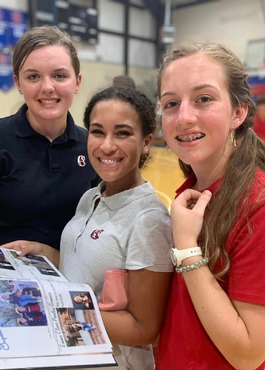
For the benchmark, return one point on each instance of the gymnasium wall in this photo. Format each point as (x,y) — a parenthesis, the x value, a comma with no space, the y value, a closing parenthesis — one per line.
(101,62)
(232,22)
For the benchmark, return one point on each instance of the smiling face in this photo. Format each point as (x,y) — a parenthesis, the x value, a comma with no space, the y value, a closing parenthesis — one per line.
(48,83)
(78,299)
(198,117)
(115,143)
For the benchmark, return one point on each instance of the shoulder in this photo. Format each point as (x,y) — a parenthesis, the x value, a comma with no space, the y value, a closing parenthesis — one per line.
(75,131)
(154,215)
(152,201)
(12,123)
(255,202)
(8,132)
(258,186)
(81,130)
(86,200)
(5,121)
(152,211)
(140,199)
(81,134)
(143,198)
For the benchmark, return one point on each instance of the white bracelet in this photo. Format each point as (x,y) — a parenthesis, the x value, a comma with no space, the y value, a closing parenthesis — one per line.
(202,262)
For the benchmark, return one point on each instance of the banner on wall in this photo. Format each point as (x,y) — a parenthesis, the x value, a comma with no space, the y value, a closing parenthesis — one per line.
(18,25)
(13,24)
(4,29)
(6,71)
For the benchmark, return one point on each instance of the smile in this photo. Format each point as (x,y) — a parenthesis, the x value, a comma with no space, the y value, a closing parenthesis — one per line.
(109,161)
(189,138)
(49,101)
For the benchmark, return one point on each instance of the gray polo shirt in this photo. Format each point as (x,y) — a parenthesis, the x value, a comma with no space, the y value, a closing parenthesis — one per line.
(129,230)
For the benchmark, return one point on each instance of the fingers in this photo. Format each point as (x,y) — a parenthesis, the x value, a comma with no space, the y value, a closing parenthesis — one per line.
(203,200)
(34,248)
(24,247)
(17,245)
(192,199)
(31,248)
(187,214)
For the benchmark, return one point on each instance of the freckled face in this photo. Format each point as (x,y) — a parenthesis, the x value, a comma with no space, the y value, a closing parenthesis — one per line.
(115,142)
(48,83)
(197,113)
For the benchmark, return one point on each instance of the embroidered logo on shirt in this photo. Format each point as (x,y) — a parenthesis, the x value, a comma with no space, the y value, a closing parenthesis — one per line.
(81,160)
(95,233)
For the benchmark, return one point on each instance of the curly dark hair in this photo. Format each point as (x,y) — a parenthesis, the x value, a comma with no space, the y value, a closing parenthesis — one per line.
(137,100)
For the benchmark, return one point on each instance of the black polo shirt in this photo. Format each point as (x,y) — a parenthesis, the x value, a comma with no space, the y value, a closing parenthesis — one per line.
(40,182)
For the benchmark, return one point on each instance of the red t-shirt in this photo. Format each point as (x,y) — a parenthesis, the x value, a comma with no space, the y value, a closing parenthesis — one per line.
(184,344)
(259,127)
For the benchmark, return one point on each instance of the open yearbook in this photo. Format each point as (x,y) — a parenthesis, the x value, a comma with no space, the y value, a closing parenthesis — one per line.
(47,321)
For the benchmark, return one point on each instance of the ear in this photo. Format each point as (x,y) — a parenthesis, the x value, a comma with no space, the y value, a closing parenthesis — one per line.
(78,83)
(147,142)
(16,80)
(239,115)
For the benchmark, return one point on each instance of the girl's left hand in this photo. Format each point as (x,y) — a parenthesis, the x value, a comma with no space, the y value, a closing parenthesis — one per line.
(187,213)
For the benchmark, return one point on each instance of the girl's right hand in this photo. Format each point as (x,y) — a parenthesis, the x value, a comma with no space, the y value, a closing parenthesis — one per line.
(187,213)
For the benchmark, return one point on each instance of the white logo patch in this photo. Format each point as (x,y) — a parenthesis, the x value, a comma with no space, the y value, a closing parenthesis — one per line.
(81,160)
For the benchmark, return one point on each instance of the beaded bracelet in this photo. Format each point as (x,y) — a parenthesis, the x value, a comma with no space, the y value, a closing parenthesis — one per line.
(193,266)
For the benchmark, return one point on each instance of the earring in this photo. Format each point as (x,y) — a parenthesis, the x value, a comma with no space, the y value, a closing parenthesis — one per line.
(145,150)
(233,140)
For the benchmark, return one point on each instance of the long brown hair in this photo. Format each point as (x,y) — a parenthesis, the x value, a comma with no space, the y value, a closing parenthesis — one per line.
(240,170)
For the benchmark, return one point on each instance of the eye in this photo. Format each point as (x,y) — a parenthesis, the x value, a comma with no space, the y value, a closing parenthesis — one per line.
(60,76)
(96,132)
(170,104)
(205,99)
(33,77)
(123,133)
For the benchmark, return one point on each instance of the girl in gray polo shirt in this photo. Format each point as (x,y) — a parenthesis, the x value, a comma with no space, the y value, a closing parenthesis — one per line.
(122,224)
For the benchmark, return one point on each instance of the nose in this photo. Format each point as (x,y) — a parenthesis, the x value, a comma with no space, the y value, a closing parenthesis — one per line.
(186,114)
(108,145)
(47,84)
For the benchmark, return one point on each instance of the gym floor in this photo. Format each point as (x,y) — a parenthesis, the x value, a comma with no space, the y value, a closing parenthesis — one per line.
(164,173)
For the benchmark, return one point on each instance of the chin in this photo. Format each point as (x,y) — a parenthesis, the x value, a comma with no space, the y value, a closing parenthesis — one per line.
(108,179)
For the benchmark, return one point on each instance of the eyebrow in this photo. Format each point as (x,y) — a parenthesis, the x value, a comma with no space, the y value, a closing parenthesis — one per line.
(118,126)
(202,86)
(196,88)
(36,70)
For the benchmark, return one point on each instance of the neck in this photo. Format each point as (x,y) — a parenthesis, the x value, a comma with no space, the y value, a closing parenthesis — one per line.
(113,188)
(51,129)
(213,169)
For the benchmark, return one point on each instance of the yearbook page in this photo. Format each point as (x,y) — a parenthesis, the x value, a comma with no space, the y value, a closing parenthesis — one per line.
(46,321)
(30,266)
